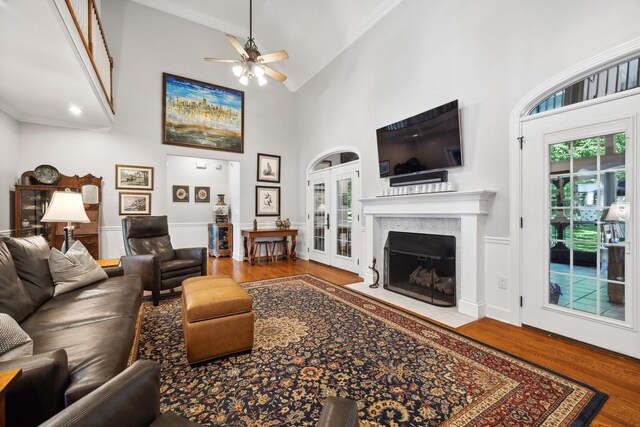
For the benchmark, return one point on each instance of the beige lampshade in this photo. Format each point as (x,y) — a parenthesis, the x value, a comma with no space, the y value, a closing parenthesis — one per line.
(617,212)
(66,206)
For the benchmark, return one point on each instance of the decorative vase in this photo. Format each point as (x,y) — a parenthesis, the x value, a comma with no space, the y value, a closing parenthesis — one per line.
(279,223)
(286,224)
(221,210)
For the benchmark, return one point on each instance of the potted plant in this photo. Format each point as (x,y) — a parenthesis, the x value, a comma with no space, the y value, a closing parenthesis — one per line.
(554,293)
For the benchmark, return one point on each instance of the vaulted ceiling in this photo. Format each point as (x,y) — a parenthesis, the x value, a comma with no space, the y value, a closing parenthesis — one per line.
(313,32)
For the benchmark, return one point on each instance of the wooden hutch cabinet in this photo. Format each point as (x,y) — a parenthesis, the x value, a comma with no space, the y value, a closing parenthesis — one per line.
(32,200)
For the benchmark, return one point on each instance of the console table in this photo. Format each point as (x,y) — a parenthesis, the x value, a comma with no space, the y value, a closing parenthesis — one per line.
(251,236)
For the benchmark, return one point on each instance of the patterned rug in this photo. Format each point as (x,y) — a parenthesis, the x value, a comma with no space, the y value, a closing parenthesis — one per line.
(314,339)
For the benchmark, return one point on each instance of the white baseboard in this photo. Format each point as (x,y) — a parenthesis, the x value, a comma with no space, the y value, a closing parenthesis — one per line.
(499,313)
(473,309)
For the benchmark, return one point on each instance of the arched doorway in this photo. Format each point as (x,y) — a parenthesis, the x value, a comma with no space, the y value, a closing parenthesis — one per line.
(333,210)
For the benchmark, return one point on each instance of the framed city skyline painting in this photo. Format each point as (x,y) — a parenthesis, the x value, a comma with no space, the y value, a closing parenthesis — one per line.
(202,115)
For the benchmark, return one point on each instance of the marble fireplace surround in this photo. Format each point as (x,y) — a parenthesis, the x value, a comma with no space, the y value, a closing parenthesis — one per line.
(458,213)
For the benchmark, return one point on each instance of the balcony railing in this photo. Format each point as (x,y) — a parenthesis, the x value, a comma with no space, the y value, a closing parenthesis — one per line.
(87,20)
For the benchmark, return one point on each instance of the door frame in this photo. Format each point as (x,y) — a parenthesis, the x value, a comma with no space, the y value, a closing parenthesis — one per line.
(518,117)
(317,158)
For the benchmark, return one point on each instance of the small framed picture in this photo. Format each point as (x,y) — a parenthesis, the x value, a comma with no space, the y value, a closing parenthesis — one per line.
(180,193)
(202,194)
(268,168)
(135,203)
(267,201)
(134,177)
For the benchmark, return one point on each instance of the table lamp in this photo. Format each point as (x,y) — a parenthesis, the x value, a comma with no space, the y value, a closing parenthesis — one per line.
(617,213)
(66,206)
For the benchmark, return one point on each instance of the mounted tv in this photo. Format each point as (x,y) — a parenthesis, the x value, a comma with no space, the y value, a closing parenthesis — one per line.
(427,141)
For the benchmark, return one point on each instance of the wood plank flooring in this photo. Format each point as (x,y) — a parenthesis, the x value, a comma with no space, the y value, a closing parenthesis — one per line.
(615,375)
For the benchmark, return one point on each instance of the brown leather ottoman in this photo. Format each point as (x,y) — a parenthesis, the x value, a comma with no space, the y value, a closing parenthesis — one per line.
(217,318)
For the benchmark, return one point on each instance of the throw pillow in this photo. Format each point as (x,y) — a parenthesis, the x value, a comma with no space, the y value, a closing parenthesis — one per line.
(75,269)
(15,342)
(30,256)
(14,299)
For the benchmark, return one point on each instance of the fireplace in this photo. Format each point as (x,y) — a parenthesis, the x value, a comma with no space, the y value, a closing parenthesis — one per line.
(421,266)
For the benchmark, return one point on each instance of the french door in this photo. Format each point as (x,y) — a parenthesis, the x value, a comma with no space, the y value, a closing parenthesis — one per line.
(333,216)
(579,181)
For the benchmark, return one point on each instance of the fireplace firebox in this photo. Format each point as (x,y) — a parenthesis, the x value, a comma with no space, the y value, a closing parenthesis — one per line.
(421,266)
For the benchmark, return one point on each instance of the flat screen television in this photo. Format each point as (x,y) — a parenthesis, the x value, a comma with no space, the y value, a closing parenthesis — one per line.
(424,142)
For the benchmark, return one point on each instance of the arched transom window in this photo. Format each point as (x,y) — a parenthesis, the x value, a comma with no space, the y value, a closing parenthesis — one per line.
(611,79)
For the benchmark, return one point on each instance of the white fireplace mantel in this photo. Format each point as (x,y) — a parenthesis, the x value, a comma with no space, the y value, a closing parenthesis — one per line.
(471,207)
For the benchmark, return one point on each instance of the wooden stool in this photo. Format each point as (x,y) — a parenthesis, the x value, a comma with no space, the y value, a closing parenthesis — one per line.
(283,246)
(258,251)
(217,318)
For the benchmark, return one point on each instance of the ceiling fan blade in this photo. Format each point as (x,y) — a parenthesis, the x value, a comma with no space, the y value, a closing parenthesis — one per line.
(273,56)
(274,74)
(237,45)
(230,61)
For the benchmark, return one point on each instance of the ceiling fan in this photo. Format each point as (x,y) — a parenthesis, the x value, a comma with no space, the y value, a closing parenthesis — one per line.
(252,61)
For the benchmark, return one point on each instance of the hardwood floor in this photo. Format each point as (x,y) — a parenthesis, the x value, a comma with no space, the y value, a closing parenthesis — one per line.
(615,375)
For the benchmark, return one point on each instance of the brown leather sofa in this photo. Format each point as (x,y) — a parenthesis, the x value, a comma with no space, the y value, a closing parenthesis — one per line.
(81,339)
(158,264)
(132,399)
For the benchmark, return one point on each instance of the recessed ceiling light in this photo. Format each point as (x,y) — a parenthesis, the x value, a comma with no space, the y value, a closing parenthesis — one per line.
(75,110)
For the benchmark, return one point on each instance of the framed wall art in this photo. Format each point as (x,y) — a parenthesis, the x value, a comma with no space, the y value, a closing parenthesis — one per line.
(268,168)
(135,203)
(134,177)
(180,193)
(202,115)
(202,194)
(267,201)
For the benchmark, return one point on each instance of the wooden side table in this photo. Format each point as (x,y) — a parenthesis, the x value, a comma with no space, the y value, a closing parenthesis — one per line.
(7,379)
(110,262)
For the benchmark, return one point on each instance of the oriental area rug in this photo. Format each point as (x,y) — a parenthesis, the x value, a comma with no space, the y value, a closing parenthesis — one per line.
(314,339)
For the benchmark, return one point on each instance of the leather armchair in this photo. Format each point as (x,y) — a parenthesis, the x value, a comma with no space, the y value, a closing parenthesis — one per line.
(151,256)
(131,398)
(339,412)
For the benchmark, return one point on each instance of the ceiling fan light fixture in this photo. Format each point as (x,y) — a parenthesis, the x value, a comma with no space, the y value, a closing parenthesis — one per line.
(237,70)
(250,64)
(258,71)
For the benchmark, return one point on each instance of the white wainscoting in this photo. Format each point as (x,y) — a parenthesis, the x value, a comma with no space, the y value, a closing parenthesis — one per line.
(183,235)
(497,265)
(187,235)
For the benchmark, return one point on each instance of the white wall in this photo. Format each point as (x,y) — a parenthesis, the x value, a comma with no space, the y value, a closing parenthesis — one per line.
(182,171)
(425,52)
(9,143)
(488,54)
(145,43)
